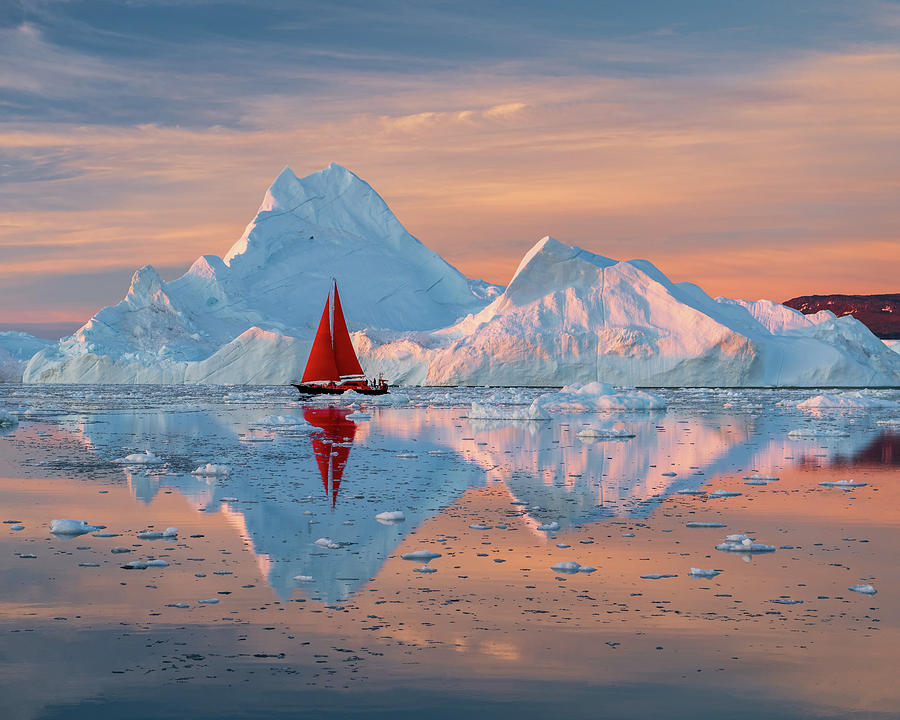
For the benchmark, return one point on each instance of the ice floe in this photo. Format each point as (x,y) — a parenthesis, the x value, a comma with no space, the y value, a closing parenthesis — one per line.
(481,411)
(212,470)
(816,432)
(743,544)
(724,494)
(420,555)
(281,420)
(703,572)
(144,458)
(853,399)
(657,576)
(67,526)
(549,527)
(171,532)
(846,484)
(609,430)
(865,589)
(304,579)
(704,524)
(596,397)
(389,517)
(328,543)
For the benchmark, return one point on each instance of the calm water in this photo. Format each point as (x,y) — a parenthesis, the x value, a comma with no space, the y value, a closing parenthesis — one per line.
(493,630)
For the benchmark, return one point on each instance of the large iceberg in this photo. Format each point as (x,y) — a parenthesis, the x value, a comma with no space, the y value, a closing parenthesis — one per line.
(250,317)
(568,316)
(16,349)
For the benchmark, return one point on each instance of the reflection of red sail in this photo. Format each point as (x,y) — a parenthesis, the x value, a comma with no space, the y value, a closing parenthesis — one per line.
(331,444)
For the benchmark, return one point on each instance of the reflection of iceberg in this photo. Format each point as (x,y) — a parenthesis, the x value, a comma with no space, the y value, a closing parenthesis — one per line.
(274,498)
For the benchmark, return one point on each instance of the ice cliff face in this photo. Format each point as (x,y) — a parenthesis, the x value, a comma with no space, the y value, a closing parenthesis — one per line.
(571,316)
(16,348)
(567,316)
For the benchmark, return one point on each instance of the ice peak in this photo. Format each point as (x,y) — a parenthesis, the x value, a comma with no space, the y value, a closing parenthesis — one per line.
(145,282)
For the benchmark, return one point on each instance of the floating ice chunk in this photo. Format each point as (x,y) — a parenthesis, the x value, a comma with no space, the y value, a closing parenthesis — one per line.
(690,492)
(595,397)
(389,517)
(786,601)
(479,526)
(765,478)
(209,601)
(864,589)
(811,432)
(744,544)
(425,569)
(88,564)
(105,535)
(657,576)
(157,563)
(610,430)
(549,527)
(670,474)
(359,416)
(480,411)
(136,565)
(328,543)
(853,399)
(8,420)
(27,556)
(120,550)
(406,455)
(724,494)
(703,572)
(392,398)
(703,524)
(281,420)
(144,458)
(211,470)
(587,569)
(842,484)
(420,555)
(71,527)
(304,579)
(566,567)
(17,528)
(222,572)
(171,532)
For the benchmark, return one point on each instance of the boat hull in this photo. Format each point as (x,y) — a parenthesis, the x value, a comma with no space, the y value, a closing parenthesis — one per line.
(340,388)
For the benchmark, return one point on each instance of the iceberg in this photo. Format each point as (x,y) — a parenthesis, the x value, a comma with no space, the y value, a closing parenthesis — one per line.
(568,316)
(16,349)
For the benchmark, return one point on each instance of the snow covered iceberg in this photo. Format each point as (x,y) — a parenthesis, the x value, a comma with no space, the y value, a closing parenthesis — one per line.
(250,317)
(570,316)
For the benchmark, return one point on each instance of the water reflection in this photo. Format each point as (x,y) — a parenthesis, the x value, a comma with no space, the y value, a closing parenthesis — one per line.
(331,444)
(420,459)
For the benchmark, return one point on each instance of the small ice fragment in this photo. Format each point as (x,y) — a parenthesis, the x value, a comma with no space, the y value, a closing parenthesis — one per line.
(120,550)
(567,567)
(71,527)
(328,543)
(670,474)
(744,544)
(587,569)
(179,605)
(657,576)
(843,484)
(723,494)
(756,481)
(212,470)
(864,589)
(786,601)
(222,572)
(157,534)
(136,565)
(690,492)
(157,563)
(27,556)
(406,456)
(425,569)
(420,555)
(17,527)
(549,527)
(88,564)
(563,546)
(209,601)
(304,578)
(105,535)
(703,572)
(702,524)
(627,535)
(390,516)
(144,458)
(766,478)
(479,526)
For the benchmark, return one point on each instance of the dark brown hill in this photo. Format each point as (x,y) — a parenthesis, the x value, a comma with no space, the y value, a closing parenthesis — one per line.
(880,313)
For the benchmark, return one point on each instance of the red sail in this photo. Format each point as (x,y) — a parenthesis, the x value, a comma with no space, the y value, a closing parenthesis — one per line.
(321,367)
(344,354)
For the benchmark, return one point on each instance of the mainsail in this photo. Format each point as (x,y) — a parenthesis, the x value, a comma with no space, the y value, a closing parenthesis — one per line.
(332,357)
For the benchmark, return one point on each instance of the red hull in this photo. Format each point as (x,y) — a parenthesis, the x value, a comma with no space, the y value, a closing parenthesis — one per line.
(338,388)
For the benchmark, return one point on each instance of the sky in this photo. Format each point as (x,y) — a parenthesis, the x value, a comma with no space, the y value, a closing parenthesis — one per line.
(752,148)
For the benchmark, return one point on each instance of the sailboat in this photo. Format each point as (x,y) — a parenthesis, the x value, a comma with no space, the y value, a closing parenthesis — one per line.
(333,367)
